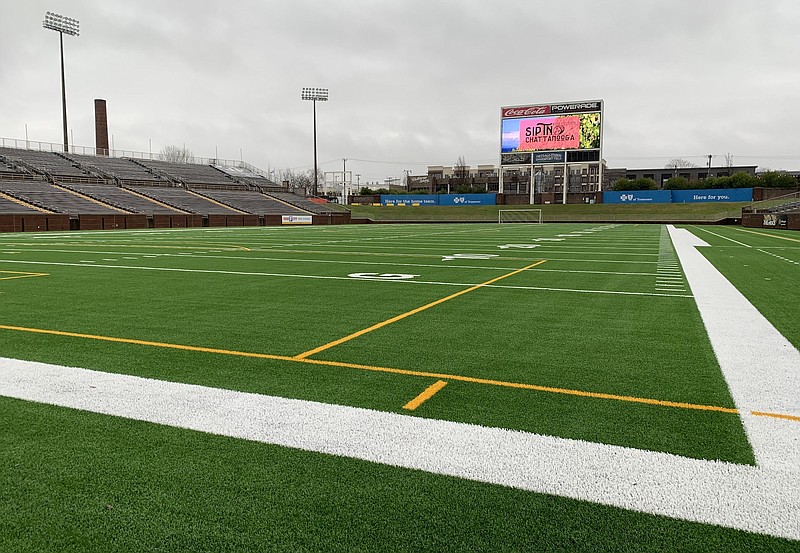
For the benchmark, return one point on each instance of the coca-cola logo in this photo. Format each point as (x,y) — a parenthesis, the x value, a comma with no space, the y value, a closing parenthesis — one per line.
(526,111)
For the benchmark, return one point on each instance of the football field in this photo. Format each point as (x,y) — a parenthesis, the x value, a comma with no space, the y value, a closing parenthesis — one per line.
(401,387)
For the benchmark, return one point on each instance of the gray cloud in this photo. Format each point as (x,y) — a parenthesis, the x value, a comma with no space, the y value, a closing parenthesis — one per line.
(412,82)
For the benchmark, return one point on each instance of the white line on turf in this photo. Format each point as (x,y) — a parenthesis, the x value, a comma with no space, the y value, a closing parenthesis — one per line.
(357,262)
(761,367)
(755,499)
(723,237)
(327,277)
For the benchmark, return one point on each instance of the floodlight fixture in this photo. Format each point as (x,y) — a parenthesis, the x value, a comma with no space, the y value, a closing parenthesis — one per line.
(314,94)
(63,25)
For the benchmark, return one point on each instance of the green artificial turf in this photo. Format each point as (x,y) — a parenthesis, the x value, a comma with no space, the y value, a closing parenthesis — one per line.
(551,335)
(77,481)
(590,318)
(767,272)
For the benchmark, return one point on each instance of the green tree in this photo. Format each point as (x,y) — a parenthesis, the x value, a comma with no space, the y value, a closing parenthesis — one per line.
(743,180)
(777,179)
(676,183)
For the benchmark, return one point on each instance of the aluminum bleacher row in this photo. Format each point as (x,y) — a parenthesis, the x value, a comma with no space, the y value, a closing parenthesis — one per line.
(41,182)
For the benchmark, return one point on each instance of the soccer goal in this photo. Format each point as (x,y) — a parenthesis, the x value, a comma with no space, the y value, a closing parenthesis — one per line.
(519,216)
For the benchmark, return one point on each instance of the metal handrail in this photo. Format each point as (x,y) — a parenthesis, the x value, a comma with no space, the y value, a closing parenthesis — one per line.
(22,144)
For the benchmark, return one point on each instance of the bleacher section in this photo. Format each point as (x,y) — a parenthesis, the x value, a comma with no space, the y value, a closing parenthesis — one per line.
(182,199)
(120,197)
(306,204)
(122,168)
(9,206)
(49,162)
(252,202)
(85,192)
(52,198)
(192,173)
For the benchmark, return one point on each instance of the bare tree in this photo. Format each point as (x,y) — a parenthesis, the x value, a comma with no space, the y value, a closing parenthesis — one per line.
(728,160)
(299,179)
(678,163)
(461,169)
(176,154)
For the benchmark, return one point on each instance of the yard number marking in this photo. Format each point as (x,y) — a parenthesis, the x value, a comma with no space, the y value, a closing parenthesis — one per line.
(381,276)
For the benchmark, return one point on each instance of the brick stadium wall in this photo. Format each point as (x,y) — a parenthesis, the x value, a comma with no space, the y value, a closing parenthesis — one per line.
(177,221)
(332,219)
(757,220)
(110,222)
(33,222)
(760,194)
(234,220)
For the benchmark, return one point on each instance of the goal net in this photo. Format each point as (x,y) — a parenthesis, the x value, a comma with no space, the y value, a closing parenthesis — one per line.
(519,216)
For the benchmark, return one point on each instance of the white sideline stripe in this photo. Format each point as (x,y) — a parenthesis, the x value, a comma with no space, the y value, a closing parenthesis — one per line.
(754,499)
(723,237)
(761,367)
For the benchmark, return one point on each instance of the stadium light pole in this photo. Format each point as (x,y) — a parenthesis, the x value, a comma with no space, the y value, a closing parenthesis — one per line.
(315,95)
(62,24)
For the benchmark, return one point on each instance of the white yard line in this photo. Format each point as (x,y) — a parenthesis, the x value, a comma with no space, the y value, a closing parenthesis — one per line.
(761,367)
(755,499)
(342,262)
(326,277)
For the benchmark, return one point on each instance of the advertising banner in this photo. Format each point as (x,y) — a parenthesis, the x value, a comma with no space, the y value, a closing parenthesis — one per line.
(438,199)
(296,220)
(467,199)
(637,197)
(410,199)
(713,195)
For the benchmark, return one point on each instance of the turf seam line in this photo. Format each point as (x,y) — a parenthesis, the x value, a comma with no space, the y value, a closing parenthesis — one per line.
(402,316)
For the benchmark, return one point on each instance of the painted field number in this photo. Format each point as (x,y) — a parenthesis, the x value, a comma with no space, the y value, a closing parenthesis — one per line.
(468,256)
(518,246)
(382,276)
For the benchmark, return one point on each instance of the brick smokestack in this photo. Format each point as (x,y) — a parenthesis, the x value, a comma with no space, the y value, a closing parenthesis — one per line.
(100,127)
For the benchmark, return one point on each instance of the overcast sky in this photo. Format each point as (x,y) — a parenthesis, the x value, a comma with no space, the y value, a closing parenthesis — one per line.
(412,82)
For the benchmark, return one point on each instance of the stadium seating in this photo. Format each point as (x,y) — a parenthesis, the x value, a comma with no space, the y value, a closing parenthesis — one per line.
(124,169)
(120,197)
(182,199)
(52,198)
(46,162)
(306,204)
(192,173)
(86,186)
(252,202)
(9,206)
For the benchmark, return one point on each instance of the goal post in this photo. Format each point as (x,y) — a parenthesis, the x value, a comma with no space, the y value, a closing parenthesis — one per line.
(519,216)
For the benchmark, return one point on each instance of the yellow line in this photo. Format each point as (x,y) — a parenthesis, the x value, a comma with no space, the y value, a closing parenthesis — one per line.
(438,376)
(147,343)
(429,392)
(20,274)
(769,235)
(402,316)
(775,416)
